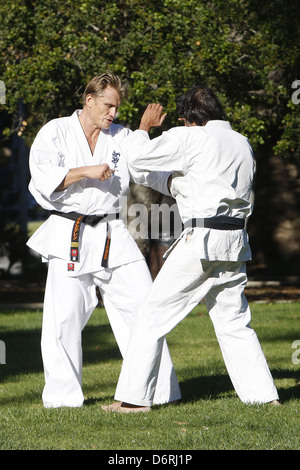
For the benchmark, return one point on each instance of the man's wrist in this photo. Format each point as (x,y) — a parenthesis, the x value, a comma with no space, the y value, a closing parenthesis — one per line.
(144,127)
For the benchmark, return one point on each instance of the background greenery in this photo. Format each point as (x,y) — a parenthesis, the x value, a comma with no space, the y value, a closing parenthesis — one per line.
(209,417)
(247,50)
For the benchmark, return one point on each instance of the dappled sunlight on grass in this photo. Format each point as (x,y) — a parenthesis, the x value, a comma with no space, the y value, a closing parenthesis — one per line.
(210,416)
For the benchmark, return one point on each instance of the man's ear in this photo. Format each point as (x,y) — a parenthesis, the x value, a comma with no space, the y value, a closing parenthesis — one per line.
(88,100)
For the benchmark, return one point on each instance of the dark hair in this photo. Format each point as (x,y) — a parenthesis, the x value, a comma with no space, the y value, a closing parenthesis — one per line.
(199,105)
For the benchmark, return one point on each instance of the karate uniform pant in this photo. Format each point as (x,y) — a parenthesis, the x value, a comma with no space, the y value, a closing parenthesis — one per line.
(180,285)
(68,304)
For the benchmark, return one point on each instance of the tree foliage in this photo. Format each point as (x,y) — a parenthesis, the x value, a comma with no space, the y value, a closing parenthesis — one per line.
(247,50)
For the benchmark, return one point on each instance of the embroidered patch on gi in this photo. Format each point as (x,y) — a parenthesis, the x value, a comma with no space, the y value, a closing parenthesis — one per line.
(115,159)
(70,266)
(74,254)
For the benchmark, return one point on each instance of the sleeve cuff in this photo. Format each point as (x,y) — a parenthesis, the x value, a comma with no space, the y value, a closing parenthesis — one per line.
(51,182)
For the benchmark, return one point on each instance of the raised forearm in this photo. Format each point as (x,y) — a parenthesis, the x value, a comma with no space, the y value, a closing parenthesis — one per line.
(101,172)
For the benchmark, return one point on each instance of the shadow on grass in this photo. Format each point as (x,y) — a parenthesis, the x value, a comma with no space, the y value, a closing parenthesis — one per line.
(291,393)
(23,351)
(23,356)
(204,387)
(212,387)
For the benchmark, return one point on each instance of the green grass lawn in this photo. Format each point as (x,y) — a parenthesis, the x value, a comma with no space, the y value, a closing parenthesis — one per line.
(210,416)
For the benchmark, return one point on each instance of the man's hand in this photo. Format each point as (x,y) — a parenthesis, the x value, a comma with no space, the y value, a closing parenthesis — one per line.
(100,172)
(152,117)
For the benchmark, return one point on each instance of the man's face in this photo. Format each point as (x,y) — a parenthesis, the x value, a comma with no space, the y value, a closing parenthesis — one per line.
(103,109)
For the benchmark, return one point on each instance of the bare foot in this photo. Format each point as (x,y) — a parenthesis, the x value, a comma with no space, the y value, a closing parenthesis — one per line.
(112,407)
(275,403)
(129,408)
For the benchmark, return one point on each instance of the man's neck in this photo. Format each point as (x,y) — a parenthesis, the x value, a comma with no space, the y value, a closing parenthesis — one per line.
(90,130)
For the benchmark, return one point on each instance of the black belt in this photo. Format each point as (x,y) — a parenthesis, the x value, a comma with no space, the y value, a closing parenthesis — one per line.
(91,220)
(221,222)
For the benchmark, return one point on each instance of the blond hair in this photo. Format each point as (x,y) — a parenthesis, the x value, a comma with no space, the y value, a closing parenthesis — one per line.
(97,85)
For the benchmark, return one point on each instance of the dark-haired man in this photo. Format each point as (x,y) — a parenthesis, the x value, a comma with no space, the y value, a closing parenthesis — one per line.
(213,169)
(84,241)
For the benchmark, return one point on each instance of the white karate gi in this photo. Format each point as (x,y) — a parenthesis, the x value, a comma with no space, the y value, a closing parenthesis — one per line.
(70,295)
(213,171)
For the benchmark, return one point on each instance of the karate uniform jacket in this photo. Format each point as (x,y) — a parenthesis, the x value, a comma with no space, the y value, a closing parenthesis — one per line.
(59,146)
(213,168)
